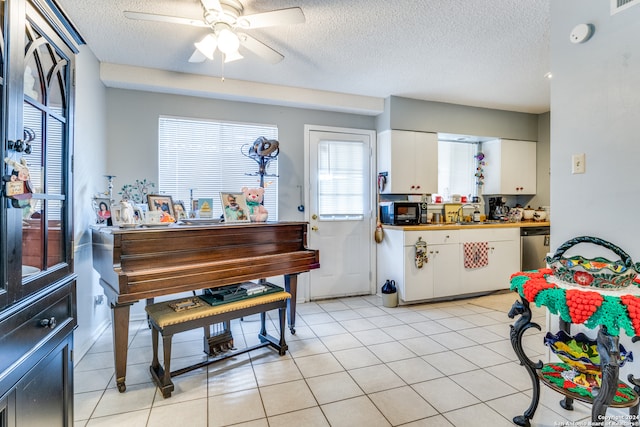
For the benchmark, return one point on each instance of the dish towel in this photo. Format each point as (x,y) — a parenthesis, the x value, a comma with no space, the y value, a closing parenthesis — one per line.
(476,254)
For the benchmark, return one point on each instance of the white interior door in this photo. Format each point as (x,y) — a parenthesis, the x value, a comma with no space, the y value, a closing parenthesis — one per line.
(339,201)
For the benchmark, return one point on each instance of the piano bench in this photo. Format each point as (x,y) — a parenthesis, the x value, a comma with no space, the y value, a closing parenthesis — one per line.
(166,321)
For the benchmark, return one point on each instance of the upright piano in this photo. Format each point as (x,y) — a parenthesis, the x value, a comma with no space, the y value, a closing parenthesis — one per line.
(143,263)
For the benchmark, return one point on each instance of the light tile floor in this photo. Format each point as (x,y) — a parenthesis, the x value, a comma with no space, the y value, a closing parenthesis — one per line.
(352,362)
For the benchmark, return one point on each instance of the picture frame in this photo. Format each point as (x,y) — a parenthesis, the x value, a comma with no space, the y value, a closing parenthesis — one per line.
(180,210)
(161,202)
(116,218)
(205,207)
(234,207)
(103,210)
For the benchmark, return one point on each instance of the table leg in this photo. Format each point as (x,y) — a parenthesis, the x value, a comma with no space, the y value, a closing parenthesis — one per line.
(120,324)
(521,308)
(291,286)
(609,352)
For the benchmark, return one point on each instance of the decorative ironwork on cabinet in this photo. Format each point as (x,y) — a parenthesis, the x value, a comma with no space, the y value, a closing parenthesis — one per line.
(37,280)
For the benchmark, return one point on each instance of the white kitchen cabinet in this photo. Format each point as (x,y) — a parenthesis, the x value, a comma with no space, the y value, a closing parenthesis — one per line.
(445,260)
(396,261)
(416,283)
(444,274)
(410,160)
(503,254)
(510,167)
(437,277)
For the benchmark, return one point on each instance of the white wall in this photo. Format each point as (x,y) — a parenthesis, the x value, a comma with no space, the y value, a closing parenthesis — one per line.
(132,135)
(595,109)
(89,168)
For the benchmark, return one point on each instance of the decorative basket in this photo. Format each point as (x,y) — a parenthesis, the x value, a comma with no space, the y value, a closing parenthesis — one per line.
(597,272)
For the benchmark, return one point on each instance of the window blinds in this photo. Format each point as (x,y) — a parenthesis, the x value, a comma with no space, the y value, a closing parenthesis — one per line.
(207,156)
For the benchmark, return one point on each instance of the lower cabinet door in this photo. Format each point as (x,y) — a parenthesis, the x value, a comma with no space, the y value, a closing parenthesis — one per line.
(446,264)
(418,282)
(44,397)
(7,410)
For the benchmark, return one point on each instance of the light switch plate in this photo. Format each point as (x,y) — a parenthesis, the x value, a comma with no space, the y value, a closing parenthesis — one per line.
(577,163)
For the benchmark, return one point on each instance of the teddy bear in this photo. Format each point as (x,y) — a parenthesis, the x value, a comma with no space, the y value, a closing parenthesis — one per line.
(253,196)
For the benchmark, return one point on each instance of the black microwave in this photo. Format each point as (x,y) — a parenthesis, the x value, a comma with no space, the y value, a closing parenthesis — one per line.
(400,213)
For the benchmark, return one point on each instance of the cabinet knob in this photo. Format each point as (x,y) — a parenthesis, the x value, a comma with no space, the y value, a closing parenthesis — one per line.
(49,323)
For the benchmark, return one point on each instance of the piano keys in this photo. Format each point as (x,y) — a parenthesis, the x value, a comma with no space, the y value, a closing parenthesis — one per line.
(144,263)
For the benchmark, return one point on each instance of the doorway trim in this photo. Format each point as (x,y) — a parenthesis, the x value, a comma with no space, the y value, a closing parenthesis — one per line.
(372,134)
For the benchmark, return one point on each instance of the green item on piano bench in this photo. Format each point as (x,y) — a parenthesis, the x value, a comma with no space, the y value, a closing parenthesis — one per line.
(230,293)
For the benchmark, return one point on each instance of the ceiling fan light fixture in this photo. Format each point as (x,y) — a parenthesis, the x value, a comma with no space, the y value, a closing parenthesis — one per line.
(233,56)
(228,42)
(207,46)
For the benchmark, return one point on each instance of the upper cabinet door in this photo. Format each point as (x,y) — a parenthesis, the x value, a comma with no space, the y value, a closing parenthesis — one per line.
(410,161)
(510,167)
(38,107)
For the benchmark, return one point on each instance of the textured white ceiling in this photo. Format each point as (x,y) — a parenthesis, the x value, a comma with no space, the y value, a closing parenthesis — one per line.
(488,53)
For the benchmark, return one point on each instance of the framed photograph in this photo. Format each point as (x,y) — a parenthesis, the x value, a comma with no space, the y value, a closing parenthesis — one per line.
(234,207)
(161,203)
(102,207)
(181,212)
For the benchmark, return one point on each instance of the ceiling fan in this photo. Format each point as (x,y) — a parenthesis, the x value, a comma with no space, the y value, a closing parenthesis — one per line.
(227,23)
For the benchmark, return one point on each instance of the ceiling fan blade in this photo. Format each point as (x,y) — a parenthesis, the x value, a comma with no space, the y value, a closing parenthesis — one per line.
(289,16)
(197,56)
(211,5)
(260,49)
(141,16)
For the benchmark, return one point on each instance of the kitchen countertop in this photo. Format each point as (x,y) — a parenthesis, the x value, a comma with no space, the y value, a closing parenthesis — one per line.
(454,226)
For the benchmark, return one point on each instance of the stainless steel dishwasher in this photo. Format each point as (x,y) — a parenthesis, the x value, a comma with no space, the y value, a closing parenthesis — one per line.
(534,246)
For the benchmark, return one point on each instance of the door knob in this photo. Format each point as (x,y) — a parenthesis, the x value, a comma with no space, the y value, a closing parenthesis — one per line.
(314,228)
(314,216)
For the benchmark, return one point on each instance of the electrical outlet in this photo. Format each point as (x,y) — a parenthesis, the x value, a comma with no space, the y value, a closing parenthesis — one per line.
(577,163)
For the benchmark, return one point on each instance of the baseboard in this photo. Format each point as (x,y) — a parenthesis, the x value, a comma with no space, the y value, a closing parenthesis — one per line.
(78,353)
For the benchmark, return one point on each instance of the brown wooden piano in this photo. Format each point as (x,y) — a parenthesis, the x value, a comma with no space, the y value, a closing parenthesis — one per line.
(142,263)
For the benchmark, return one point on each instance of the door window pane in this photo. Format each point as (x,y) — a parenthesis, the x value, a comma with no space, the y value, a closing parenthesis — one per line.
(341,169)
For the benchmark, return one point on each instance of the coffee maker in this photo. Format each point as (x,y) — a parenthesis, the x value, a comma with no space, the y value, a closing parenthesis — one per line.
(497,208)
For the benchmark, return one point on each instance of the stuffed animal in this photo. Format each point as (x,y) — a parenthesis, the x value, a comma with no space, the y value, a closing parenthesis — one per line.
(253,196)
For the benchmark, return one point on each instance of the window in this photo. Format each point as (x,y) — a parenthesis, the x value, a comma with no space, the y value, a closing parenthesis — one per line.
(456,168)
(209,157)
(341,174)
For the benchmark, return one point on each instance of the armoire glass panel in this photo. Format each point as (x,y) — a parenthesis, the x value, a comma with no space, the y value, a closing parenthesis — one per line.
(32,80)
(55,141)
(55,232)
(56,100)
(33,124)
(32,246)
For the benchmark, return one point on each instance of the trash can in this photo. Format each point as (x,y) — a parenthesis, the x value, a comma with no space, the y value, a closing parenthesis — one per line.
(389,294)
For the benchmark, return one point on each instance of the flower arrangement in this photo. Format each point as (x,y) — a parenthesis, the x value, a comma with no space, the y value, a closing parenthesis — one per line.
(138,191)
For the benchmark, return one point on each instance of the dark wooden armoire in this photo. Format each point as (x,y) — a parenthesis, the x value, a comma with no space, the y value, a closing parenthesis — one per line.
(37,280)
